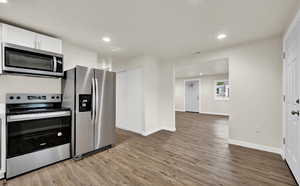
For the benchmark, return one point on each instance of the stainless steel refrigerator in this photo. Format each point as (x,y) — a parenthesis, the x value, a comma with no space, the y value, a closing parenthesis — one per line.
(91,94)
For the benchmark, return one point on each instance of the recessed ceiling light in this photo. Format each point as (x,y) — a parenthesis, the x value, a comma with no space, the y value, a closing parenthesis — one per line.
(221,36)
(3,1)
(201,74)
(106,39)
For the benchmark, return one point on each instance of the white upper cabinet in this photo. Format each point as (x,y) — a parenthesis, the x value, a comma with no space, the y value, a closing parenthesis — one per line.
(18,36)
(49,44)
(22,37)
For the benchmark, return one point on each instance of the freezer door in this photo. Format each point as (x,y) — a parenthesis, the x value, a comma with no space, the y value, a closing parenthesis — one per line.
(84,126)
(105,108)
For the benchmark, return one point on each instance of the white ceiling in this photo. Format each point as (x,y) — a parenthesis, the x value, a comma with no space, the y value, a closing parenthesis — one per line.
(165,28)
(220,66)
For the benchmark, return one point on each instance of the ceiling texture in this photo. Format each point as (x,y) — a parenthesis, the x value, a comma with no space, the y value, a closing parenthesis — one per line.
(164,28)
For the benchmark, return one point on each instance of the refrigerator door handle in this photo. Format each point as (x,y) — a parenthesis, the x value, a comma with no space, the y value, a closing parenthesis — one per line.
(98,119)
(93,100)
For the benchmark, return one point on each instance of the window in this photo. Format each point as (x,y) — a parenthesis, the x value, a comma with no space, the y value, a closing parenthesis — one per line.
(222,90)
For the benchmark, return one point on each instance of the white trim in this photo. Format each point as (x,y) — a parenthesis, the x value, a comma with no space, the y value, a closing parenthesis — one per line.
(255,146)
(2,172)
(215,113)
(127,129)
(169,129)
(179,110)
(149,132)
(145,133)
(284,116)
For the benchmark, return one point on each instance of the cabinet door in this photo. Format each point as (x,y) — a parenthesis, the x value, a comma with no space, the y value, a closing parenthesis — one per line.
(49,44)
(18,36)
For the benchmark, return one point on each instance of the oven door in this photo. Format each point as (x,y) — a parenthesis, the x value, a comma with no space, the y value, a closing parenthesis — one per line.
(28,133)
(19,59)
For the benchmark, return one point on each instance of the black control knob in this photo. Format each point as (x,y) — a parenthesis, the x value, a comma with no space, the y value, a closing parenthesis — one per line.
(18,97)
(52,97)
(57,97)
(11,97)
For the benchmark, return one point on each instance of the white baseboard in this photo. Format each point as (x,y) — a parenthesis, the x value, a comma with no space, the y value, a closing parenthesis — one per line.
(157,130)
(127,129)
(2,172)
(283,152)
(255,146)
(149,132)
(170,129)
(214,113)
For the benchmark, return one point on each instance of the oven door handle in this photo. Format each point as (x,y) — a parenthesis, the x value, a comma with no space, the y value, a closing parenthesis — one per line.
(36,116)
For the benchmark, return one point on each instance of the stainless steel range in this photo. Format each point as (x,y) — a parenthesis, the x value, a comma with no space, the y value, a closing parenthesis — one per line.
(38,132)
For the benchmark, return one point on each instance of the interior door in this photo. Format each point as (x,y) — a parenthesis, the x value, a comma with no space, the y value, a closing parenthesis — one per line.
(192,96)
(105,108)
(292,148)
(84,130)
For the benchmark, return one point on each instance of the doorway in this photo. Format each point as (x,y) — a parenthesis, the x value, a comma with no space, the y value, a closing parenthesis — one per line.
(192,91)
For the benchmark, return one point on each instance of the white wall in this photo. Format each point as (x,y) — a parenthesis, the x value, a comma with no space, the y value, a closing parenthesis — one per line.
(179,95)
(166,96)
(207,102)
(158,92)
(75,55)
(151,95)
(23,84)
(129,100)
(255,103)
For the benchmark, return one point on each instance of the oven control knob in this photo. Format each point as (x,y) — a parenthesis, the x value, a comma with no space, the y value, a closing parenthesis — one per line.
(57,97)
(11,97)
(59,134)
(18,97)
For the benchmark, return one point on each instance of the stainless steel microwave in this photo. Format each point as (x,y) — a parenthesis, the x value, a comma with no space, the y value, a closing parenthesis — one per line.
(25,60)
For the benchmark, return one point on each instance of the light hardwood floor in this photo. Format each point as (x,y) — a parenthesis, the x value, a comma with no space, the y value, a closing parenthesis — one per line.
(196,154)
